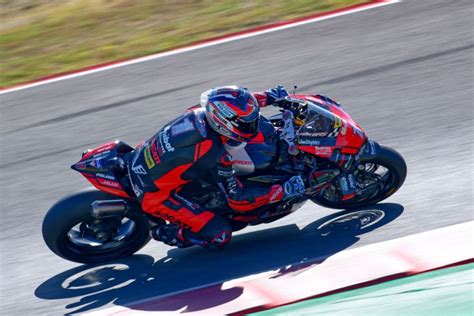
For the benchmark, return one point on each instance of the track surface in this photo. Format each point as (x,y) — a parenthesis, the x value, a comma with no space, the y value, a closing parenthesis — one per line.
(405,72)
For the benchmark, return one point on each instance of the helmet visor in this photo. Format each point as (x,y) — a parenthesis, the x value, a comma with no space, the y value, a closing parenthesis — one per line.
(248,125)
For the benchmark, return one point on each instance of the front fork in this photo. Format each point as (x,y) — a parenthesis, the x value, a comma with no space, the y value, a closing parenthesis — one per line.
(347,180)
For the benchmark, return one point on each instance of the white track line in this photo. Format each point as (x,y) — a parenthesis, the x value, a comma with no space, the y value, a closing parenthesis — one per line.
(405,255)
(198,46)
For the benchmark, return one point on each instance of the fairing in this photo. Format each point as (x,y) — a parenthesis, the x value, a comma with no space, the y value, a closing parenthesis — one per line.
(96,167)
(328,130)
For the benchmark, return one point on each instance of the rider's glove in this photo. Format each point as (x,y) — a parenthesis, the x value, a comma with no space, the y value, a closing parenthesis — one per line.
(294,187)
(276,94)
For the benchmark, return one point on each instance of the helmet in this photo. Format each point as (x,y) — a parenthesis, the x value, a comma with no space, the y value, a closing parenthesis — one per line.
(232,112)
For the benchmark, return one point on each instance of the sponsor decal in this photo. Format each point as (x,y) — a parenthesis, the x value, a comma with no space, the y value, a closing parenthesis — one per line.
(154,152)
(139,169)
(109,183)
(226,173)
(188,203)
(334,132)
(312,134)
(243,162)
(164,140)
(278,190)
(224,109)
(136,190)
(323,151)
(343,183)
(182,127)
(150,163)
(232,185)
(352,184)
(309,142)
(105,176)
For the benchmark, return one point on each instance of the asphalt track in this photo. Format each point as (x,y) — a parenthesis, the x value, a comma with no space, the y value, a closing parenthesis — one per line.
(404,71)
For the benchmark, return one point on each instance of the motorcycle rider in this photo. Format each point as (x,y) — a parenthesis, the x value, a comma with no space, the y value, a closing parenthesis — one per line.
(165,169)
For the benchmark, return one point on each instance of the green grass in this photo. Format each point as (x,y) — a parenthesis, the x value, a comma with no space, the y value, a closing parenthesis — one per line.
(41,37)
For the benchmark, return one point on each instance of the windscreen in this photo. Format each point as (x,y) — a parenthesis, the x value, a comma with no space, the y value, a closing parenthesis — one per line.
(319,123)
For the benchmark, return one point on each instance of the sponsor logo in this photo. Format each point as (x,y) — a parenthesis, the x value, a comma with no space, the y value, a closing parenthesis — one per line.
(136,190)
(275,196)
(164,140)
(243,162)
(224,109)
(313,134)
(109,183)
(343,183)
(188,203)
(105,176)
(182,127)
(323,151)
(352,184)
(148,159)
(232,185)
(226,173)
(337,122)
(139,169)
(154,153)
(309,142)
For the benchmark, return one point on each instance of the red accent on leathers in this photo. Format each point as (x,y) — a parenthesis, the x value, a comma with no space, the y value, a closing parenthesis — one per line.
(153,202)
(261,98)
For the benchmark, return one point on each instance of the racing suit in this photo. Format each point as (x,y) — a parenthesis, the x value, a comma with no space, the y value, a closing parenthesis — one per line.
(165,169)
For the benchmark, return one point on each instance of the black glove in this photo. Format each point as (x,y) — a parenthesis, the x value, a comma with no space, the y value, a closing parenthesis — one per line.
(276,94)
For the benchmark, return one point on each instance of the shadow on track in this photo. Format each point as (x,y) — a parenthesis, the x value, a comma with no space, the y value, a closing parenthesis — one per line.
(286,249)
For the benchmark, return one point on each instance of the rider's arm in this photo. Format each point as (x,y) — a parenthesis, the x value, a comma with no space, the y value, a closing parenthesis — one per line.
(239,197)
(268,97)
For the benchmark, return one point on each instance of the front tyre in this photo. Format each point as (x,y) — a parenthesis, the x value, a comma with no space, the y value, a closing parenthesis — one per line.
(378,178)
(71,232)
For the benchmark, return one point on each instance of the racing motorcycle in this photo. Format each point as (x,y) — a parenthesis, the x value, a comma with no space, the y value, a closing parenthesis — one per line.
(315,138)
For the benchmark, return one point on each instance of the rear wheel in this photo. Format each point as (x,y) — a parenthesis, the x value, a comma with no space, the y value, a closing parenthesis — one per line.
(377,178)
(71,232)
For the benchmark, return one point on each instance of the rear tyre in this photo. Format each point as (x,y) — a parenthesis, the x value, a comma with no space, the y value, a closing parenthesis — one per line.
(71,232)
(377,186)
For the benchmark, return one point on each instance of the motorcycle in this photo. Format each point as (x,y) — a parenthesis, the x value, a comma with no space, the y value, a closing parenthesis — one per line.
(315,138)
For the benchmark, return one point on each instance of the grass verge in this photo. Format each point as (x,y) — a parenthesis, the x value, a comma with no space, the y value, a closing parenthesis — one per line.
(42,37)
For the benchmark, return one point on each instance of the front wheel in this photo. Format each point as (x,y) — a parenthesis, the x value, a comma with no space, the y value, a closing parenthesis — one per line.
(71,232)
(378,178)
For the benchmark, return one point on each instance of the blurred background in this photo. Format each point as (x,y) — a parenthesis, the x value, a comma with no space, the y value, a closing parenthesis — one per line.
(41,37)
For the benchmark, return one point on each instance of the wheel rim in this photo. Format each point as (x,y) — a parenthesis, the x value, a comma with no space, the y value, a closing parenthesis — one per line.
(100,235)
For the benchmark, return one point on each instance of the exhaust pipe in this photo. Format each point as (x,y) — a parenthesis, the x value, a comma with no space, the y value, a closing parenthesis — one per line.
(109,208)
